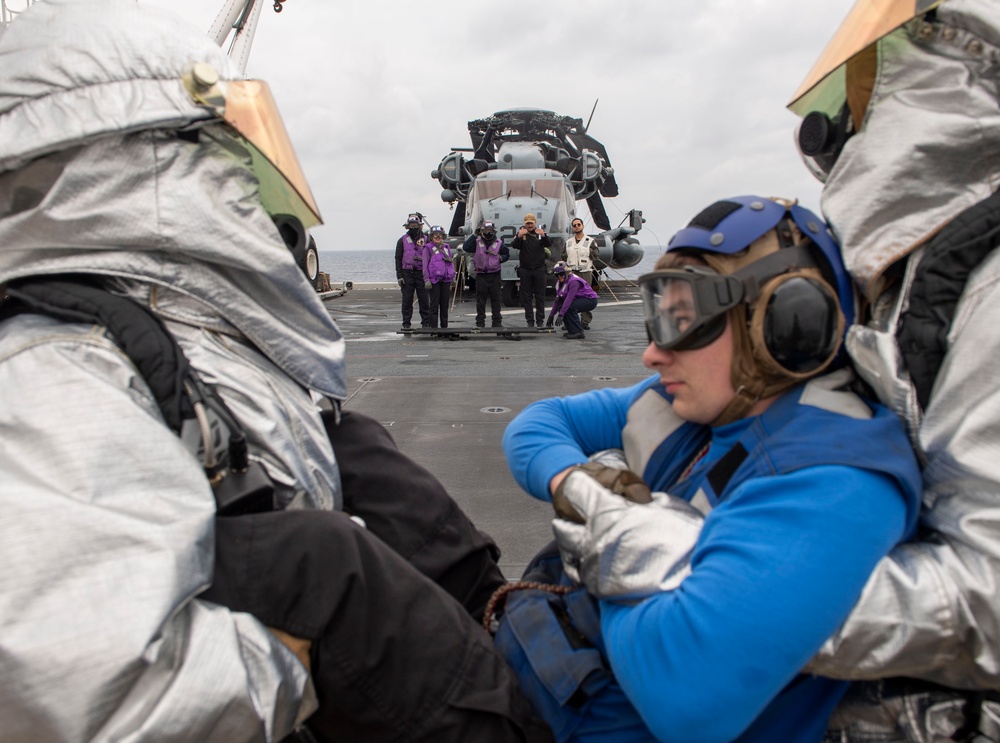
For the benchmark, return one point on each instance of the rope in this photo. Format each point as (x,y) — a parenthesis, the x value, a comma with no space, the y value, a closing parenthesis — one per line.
(621,276)
(499,597)
(693,462)
(607,286)
(459,280)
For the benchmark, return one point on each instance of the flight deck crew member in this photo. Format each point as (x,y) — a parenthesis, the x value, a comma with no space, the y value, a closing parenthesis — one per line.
(131,607)
(532,245)
(778,489)
(574,296)
(439,271)
(578,253)
(902,124)
(409,271)
(488,252)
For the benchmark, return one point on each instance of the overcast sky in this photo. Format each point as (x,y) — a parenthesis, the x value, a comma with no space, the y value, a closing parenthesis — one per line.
(692,96)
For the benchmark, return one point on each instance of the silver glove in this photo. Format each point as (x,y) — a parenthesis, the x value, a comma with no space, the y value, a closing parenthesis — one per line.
(614,458)
(625,550)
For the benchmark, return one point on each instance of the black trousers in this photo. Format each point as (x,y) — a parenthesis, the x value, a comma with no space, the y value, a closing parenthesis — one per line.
(488,287)
(577,308)
(413,282)
(438,297)
(533,289)
(391,610)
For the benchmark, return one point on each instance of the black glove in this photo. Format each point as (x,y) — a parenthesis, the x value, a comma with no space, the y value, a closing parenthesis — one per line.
(559,321)
(548,323)
(401,281)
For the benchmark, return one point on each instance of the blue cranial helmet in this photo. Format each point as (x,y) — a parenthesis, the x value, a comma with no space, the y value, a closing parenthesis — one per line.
(732,225)
(771,271)
(788,286)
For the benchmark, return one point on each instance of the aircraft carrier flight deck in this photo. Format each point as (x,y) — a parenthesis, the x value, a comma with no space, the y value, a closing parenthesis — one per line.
(447,402)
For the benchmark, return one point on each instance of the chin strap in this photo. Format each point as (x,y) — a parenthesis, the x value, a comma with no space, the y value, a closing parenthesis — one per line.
(752,378)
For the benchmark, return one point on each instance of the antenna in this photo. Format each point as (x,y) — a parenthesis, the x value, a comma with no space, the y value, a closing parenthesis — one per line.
(591,116)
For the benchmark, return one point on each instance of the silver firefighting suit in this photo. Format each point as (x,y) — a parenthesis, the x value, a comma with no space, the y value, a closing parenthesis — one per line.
(101,636)
(135,160)
(928,149)
(923,149)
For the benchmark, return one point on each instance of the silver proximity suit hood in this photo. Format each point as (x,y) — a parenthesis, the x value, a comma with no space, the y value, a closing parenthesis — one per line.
(929,146)
(84,211)
(108,531)
(928,149)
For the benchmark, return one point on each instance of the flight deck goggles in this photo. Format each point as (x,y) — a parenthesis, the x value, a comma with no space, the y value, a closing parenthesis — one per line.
(685,308)
(248,108)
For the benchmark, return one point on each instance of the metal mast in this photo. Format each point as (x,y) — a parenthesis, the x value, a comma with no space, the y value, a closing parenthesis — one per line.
(239,17)
(7,15)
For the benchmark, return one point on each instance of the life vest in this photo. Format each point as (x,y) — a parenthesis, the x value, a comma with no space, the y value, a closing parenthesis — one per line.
(553,641)
(487,257)
(583,289)
(578,253)
(413,259)
(438,263)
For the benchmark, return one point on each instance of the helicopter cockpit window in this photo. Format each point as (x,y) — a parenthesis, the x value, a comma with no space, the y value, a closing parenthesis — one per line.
(474,213)
(560,220)
(519,188)
(550,189)
(489,189)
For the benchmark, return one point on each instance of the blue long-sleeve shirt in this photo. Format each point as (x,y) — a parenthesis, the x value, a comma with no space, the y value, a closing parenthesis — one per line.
(777,568)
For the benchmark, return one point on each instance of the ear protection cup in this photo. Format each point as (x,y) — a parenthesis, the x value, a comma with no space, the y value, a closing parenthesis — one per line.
(797,325)
(294,235)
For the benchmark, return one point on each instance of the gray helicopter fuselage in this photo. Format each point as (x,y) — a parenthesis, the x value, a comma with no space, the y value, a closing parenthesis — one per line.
(531,161)
(505,196)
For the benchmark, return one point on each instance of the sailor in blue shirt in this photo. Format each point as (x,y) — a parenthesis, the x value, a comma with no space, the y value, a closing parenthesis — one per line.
(777,489)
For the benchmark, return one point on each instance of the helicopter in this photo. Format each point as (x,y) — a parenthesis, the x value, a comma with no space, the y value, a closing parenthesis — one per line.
(529,160)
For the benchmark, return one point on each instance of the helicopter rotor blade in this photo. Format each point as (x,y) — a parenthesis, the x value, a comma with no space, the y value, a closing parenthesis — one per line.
(482,144)
(582,142)
(598,212)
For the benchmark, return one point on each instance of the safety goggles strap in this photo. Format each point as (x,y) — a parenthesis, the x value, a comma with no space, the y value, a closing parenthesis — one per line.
(754,275)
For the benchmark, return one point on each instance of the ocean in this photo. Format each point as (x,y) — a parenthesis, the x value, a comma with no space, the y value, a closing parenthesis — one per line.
(365,266)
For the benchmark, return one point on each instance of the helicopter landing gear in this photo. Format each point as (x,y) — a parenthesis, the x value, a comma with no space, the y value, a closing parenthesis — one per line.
(509,293)
(311,263)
